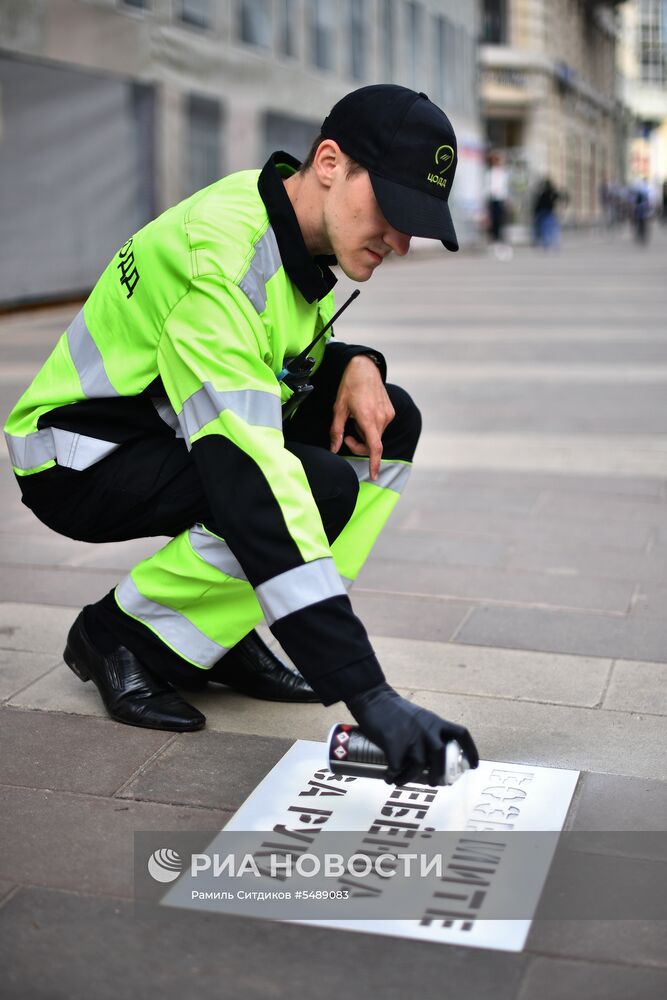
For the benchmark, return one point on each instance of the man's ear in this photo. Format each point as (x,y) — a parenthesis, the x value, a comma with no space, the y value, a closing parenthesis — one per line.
(328,158)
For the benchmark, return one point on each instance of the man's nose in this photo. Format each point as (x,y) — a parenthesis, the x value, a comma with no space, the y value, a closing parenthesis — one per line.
(398,241)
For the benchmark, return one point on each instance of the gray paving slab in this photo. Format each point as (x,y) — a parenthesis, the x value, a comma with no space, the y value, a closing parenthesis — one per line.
(74,587)
(535,481)
(499,319)
(559,979)
(51,750)
(217,770)
(19,668)
(615,818)
(118,556)
(15,518)
(585,634)
(84,842)
(566,505)
(36,322)
(532,375)
(455,493)
(6,888)
(173,954)
(484,583)
(495,673)
(39,549)
(637,942)
(10,494)
(585,739)
(450,550)
(589,561)
(603,877)
(608,802)
(659,548)
(411,617)
(35,628)
(511,526)
(227,711)
(601,453)
(60,690)
(650,601)
(637,687)
(516,338)
(549,406)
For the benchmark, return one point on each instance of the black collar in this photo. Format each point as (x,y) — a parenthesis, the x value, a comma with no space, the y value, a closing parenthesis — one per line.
(311,275)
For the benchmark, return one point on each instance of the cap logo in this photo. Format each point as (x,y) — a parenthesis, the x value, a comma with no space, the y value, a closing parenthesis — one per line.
(444,157)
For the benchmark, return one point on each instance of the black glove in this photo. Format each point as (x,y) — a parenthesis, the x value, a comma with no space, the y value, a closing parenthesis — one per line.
(412,738)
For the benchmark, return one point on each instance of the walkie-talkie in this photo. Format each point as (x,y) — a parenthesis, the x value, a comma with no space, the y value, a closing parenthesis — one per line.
(298,370)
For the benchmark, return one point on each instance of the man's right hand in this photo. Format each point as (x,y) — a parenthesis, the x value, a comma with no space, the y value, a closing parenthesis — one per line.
(412,738)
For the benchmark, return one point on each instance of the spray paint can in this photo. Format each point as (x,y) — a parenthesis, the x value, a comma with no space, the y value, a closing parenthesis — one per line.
(352,753)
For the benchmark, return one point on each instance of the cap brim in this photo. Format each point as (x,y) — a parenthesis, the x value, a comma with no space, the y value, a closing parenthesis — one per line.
(414,212)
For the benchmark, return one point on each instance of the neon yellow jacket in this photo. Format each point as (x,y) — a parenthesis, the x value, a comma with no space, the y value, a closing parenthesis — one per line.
(186,330)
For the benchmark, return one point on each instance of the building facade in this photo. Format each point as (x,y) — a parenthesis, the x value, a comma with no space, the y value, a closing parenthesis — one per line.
(643,62)
(124,107)
(551,98)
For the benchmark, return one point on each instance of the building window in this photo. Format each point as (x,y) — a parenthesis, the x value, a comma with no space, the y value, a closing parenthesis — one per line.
(357,38)
(653,41)
(323,33)
(387,39)
(197,12)
(138,4)
(495,22)
(287,36)
(255,22)
(499,133)
(204,123)
(296,135)
(413,13)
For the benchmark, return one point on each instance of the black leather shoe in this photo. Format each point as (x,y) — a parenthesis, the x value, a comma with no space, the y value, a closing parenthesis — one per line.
(130,693)
(251,668)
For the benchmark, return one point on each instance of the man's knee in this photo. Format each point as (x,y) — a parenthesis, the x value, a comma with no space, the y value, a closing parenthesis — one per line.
(344,500)
(333,483)
(402,435)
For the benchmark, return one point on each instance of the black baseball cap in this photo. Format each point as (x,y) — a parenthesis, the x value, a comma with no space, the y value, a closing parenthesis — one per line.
(407,145)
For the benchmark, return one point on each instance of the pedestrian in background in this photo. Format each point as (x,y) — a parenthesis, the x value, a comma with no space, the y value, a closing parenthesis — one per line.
(497,191)
(545,215)
(607,209)
(642,209)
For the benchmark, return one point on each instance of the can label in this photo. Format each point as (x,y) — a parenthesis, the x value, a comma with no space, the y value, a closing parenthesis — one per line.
(352,753)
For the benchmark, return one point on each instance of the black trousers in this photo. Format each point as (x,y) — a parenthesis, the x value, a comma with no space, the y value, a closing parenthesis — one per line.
(150,486)
(496,219)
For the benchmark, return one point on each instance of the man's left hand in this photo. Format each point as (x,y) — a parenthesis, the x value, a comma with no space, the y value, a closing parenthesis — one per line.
(363,398)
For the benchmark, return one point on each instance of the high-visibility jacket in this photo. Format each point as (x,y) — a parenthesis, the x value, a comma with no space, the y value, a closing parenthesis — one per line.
(186,331)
